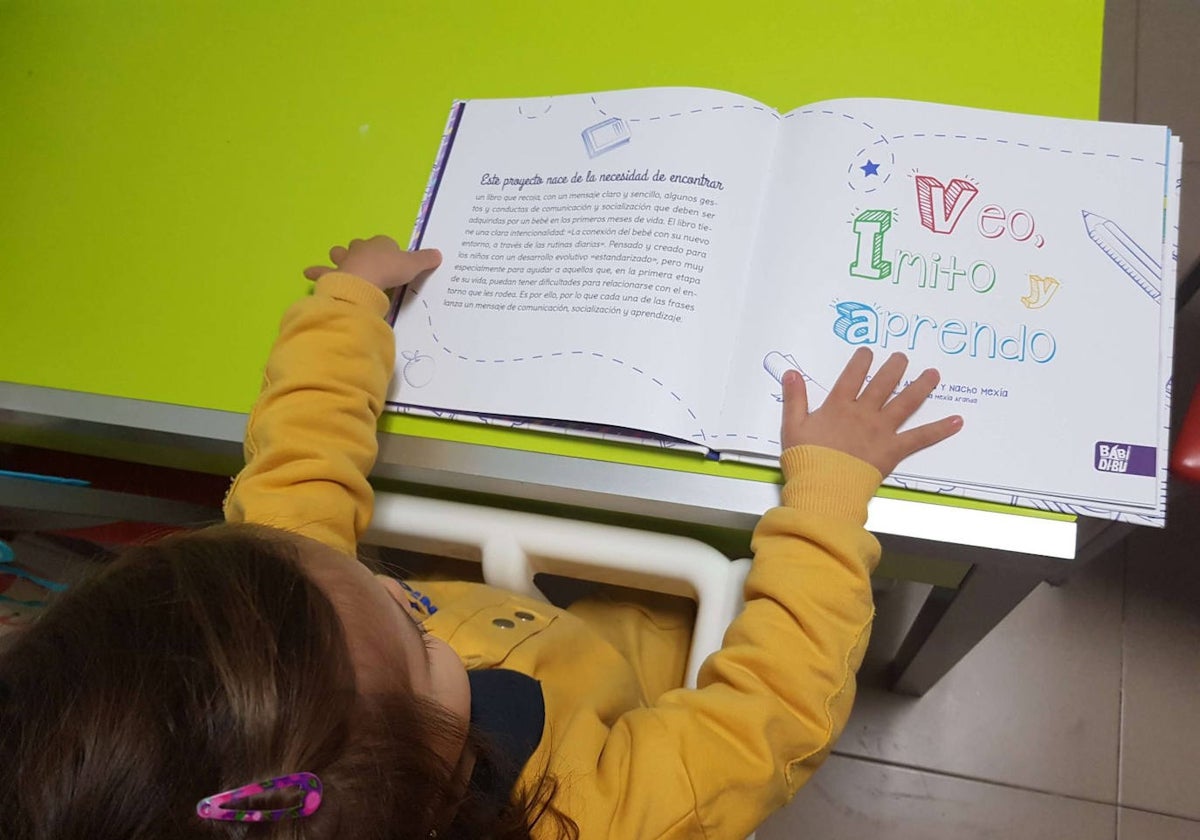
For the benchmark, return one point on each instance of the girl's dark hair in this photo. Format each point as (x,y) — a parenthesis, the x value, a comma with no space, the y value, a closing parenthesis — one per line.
(202,663)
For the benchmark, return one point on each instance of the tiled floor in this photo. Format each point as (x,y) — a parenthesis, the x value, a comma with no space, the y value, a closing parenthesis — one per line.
(1078,718)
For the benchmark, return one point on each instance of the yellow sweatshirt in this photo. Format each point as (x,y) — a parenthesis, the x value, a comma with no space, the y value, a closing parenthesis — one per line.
(636,757)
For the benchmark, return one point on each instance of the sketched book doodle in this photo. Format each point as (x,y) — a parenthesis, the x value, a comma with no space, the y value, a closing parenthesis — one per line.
(654,260)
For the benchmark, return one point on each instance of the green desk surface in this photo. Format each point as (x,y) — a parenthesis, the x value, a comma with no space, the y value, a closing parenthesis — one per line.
(169,168)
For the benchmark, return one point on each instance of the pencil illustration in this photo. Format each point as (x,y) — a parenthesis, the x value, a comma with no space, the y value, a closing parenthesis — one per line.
(1126,253)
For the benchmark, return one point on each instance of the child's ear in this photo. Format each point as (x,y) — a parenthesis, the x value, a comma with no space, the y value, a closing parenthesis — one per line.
(392,586)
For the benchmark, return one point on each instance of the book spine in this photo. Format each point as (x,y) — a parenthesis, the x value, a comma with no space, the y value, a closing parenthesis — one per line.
(435,177)
(431,188)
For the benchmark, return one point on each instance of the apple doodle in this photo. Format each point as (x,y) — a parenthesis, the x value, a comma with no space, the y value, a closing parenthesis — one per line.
(418,368)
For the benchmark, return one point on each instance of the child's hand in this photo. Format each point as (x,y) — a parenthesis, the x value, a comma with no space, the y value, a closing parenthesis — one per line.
(379,261)
(864,425)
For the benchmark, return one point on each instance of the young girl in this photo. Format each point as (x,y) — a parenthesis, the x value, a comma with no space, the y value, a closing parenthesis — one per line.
(254,679)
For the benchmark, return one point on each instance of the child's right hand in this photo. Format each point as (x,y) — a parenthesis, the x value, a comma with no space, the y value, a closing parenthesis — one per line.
(864,424)
(379,261)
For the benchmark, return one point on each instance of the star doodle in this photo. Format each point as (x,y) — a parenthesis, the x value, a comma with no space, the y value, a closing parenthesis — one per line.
(870,168)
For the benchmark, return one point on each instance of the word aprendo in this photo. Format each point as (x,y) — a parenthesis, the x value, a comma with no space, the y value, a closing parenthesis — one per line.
(858,323)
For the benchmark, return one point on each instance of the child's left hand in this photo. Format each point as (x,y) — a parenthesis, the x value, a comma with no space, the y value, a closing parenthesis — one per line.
(865,422)
(379,261)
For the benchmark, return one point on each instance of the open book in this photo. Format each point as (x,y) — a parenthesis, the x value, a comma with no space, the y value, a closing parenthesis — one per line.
(655,260)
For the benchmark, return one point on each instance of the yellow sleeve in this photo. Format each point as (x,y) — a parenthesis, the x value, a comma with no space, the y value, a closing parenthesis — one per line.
(310,441)
(717,760)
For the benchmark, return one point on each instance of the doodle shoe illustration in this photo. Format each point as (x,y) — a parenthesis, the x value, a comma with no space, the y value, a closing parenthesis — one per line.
(418,368)
(777,364)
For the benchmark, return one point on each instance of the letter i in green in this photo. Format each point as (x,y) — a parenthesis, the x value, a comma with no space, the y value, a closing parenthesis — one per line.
(869,227)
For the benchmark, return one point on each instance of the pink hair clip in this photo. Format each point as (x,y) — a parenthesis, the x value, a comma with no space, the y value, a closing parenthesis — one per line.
(212,807)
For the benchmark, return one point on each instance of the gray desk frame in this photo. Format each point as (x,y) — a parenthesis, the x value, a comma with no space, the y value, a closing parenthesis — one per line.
(998,552)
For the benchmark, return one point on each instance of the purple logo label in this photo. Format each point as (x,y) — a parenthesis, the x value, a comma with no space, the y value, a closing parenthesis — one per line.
(1125,458)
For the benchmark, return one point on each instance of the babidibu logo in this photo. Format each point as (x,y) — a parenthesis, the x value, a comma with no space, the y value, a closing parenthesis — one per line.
(1124,458)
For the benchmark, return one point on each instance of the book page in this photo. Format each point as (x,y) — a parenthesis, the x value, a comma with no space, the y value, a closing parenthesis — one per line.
(595,249)
(1021,256)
